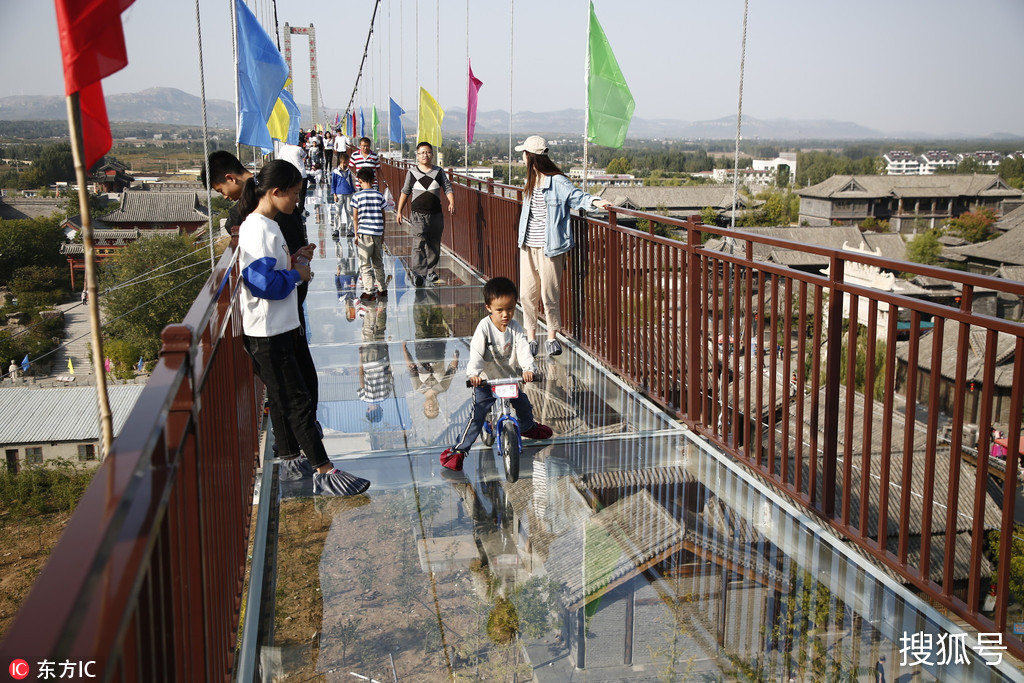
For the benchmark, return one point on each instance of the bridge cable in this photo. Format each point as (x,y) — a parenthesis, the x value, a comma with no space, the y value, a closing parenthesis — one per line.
(362,63)
(739,120)
(206,138)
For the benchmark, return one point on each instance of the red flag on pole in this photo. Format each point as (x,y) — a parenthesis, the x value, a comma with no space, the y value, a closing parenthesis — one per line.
(92,44)
(474,88)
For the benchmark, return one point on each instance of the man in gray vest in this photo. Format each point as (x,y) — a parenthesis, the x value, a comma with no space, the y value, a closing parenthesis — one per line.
(425,183)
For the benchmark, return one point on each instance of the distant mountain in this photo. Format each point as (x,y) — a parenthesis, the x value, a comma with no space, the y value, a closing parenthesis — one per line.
(155,105)
(173,106)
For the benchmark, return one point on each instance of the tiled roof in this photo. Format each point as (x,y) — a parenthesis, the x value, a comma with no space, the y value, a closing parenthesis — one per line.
(913,523)
(833,237)
(158,207)
(880,186)
(975,353)
(71,413)
(1011,273)
(610,546)
(1007,248)
(673,198)
(76,222)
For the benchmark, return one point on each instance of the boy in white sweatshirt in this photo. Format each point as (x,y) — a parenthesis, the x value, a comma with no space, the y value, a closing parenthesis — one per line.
(498,347)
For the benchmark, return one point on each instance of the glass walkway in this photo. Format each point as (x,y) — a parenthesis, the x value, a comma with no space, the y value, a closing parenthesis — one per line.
(627,550)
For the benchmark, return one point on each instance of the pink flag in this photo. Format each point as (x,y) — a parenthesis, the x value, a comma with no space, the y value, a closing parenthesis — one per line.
(474,88)
(106,365)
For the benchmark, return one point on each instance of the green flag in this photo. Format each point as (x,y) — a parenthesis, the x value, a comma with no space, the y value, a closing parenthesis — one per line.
(609,102)
(376,122)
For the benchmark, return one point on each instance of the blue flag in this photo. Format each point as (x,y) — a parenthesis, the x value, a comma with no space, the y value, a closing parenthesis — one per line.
(24,363)
(395,127)
(262,73)
(362,124)
(295,120)
(141,365)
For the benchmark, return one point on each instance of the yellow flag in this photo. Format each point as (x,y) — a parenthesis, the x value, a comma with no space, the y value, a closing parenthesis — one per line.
(430,115)
(278,122)
(71,368)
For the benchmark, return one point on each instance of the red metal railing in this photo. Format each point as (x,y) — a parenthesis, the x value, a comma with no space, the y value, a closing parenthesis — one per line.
(146,579)
(836,420)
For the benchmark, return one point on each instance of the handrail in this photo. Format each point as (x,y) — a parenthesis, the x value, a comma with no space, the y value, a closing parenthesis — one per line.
(145,580)
(655,310)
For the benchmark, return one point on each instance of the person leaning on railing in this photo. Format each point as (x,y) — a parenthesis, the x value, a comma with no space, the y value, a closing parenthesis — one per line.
(545,237)
(270,321)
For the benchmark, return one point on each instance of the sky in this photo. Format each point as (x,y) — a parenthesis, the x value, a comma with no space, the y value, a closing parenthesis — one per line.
(939,67)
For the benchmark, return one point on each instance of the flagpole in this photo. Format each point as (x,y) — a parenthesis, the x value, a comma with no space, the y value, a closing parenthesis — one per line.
(586,102)
(468,86)
(234,51)
(511,56)
(77,153)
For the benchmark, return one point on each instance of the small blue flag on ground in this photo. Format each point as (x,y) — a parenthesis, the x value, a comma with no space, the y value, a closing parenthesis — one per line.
(25,364)
(262,73)
(141,365)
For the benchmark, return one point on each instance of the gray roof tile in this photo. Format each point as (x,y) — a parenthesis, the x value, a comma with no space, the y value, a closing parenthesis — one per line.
(61,413)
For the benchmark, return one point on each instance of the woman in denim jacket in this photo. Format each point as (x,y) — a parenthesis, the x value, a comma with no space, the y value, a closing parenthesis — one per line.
(545,237)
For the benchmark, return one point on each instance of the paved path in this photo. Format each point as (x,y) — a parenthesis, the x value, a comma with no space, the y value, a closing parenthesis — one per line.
(76,345)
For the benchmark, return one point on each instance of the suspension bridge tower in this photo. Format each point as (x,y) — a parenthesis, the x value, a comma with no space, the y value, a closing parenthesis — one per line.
(313,78)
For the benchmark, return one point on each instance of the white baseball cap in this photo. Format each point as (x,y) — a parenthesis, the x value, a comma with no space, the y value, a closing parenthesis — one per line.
(534,144)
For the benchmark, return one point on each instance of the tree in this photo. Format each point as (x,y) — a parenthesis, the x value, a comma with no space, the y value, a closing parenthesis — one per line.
(974,226)
(55,163)
(709,216)
(29,242)
(925,248)
(970,165)
(617,166)
(148,285)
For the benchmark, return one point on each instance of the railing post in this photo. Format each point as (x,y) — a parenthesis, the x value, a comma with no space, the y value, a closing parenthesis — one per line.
(694,317)
(613,289)
(186,541)
(833,363)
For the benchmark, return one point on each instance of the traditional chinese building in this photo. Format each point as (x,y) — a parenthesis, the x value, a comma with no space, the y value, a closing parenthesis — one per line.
(158,210)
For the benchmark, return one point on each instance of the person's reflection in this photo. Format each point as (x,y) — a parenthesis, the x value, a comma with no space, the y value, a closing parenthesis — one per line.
(429,370)
(347,275)
(555,400)
(376,381)
(429,374)
(485,502)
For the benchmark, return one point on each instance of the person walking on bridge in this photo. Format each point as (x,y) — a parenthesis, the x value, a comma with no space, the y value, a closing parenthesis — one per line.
(425,182)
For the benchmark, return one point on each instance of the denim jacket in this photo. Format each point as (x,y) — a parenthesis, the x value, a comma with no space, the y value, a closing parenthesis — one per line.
(561,196)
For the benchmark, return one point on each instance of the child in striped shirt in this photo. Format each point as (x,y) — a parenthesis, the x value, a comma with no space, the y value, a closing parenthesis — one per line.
(368,216)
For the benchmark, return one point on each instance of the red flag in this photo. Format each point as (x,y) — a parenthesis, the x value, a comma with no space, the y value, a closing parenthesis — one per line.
(474,88)
(92,44)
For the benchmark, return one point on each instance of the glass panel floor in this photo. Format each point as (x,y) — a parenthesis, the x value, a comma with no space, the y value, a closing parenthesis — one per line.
(627,549)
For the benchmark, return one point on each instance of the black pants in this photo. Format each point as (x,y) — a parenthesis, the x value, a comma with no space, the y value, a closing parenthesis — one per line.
(292,408)
(426,229)
(483,399)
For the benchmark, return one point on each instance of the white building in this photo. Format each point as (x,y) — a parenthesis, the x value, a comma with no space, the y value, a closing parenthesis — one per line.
(934,160)
(989,160)
(599,176)
(478,172)
(784,160)
(60,422)
(902,163)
